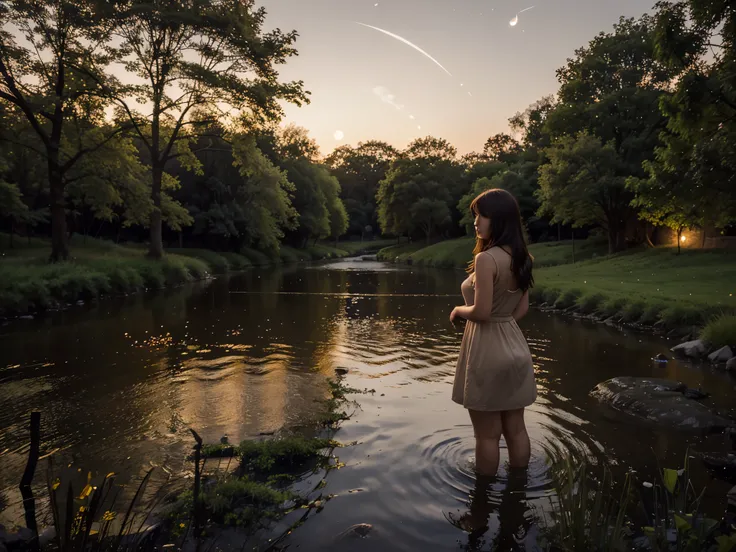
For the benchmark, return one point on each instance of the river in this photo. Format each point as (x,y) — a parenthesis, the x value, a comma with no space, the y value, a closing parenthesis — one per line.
(119,382)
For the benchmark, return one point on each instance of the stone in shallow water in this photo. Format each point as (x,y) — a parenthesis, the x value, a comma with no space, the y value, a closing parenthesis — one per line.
(691,349)
(721,356)
(361,530)
(660,401)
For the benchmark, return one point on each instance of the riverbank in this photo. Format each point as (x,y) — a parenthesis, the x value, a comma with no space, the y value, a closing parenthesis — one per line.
(647,288)
(457,253)
(29,284)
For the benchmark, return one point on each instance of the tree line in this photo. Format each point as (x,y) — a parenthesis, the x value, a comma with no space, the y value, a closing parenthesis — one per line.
(184,145)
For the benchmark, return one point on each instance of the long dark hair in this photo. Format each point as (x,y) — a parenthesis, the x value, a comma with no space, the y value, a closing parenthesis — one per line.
(506,231)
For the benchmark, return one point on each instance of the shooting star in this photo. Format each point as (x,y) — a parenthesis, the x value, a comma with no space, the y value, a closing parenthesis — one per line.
(515,20)
(401,39)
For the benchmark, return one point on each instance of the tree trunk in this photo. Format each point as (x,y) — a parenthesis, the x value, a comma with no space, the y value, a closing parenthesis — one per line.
(702,245)
(156,247)
(679,239)
(59,238)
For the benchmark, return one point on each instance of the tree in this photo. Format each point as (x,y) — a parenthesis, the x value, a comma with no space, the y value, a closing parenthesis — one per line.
(429,213)
(359,170)
(53,78)
(501,147)
(610,90)
(584,184)
(198,60)
(692,38)
(411,182)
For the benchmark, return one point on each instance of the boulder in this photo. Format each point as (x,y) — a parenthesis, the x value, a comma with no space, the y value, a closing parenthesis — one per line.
(731,364)
(721,356)
(691,349)
(659,401)
(732,497)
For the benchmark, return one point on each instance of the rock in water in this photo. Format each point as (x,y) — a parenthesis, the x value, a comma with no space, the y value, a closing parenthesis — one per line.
(696,394)
(360,530)
(721,356)
(659,401)
(691,349)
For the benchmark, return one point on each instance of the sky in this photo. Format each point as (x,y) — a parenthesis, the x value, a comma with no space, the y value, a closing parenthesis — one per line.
(366,84)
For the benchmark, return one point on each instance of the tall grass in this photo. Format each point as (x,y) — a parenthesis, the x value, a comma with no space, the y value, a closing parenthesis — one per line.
(591,513)
(720,331)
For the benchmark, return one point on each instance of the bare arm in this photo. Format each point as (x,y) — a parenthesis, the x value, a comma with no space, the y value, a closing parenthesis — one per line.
(522,308)
(480,311)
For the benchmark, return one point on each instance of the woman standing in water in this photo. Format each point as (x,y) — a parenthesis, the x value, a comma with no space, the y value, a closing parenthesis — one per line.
(494,379)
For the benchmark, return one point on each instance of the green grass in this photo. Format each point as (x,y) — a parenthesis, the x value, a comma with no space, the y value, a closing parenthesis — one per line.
(646,286)
(95,268)
(720,331)
(457,253)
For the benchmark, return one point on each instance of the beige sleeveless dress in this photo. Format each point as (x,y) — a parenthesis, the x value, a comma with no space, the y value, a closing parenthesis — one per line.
(495,370)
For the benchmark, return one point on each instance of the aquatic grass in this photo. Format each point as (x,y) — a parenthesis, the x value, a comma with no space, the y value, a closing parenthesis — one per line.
(88,515)
(720,331)
(588,513)
(281,454)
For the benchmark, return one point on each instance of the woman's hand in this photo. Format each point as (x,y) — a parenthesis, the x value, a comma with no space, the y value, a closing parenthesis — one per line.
(454,315)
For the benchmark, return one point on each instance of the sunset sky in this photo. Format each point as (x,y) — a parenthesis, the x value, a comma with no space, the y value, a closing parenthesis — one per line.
(366,84)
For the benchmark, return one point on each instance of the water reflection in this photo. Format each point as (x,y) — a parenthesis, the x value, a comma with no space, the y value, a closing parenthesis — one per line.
(118,384)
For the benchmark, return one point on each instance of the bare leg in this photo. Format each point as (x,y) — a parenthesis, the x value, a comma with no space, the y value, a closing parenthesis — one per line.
(517,438)
(487,427)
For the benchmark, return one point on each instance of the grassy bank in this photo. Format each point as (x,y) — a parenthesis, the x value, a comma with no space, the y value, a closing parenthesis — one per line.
(457,253)
(28,283)
(647,287)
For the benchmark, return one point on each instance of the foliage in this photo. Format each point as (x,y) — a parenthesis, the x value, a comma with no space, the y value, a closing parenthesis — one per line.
(720,331)
(582,185)
(233,68)
(423,182)
(694,38)
(53,79)
(359,170)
